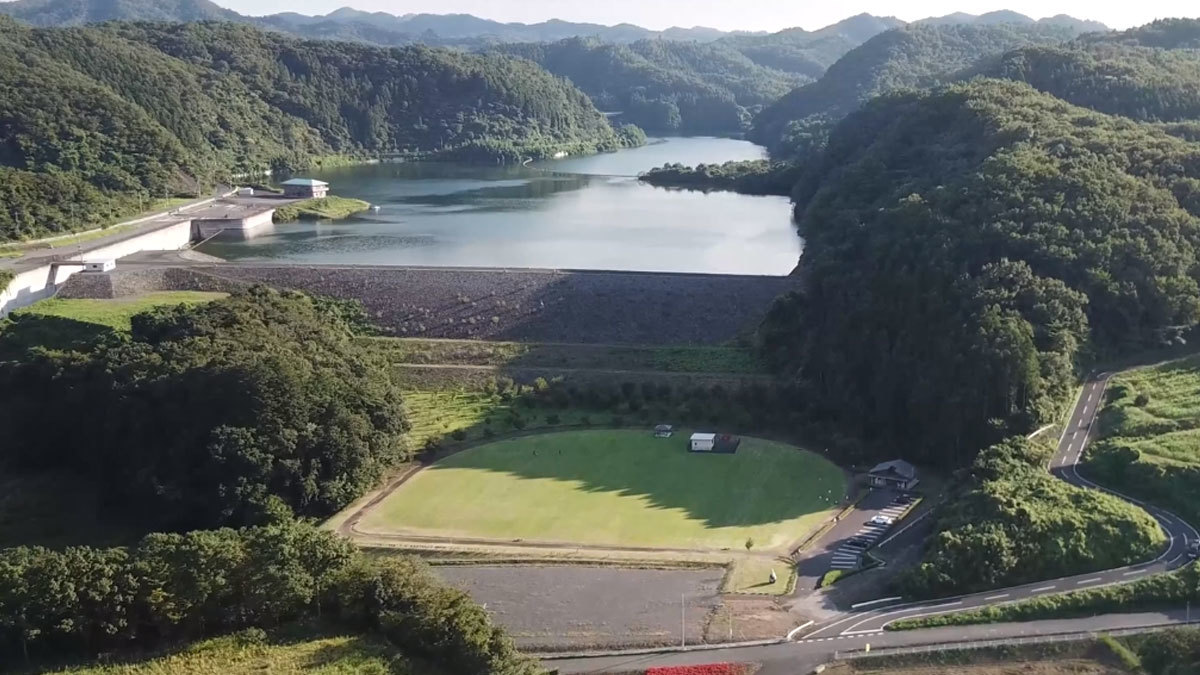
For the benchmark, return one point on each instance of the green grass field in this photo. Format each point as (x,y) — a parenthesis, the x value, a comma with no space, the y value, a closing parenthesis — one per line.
(114,313)
(621,488)
(1157,412)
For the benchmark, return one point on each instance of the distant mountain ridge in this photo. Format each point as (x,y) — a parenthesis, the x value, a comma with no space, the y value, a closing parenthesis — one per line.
(385,29)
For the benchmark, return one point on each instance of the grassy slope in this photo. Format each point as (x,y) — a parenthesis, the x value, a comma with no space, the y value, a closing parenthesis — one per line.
(1149,443)
(615,357)
(619,488)
(250,652)
(440,413)
(116,313)
(1167,427)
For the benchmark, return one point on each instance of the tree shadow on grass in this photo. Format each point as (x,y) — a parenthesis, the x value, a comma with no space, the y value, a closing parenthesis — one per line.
(21,332)
(756,486)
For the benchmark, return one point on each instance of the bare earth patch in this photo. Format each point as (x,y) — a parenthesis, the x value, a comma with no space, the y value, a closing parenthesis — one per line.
(566,608)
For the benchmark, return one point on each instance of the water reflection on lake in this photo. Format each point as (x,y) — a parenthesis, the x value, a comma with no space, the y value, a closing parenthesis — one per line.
(583,213)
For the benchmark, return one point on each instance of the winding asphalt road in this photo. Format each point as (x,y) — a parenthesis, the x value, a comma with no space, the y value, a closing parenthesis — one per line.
(854,630)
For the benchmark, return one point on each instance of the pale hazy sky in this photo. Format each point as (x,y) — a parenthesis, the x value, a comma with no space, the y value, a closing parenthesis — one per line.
(735,14)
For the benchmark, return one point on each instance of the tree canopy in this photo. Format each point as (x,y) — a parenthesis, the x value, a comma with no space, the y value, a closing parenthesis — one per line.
(964,245)
(114,115)
(914,56)
(224,413)
(1011,523)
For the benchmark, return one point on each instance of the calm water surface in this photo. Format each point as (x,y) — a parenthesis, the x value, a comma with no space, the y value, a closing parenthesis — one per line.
(583,213)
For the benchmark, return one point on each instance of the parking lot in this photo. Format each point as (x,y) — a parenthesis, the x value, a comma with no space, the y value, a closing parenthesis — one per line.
(838,548)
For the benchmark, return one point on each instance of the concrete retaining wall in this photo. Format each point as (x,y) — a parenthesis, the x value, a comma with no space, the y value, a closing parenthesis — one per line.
(43,282)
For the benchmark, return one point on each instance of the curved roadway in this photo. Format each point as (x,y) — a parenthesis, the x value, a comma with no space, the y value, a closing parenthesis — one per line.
(853,630)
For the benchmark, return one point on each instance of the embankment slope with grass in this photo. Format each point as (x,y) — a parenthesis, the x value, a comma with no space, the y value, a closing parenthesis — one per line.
(1149,439)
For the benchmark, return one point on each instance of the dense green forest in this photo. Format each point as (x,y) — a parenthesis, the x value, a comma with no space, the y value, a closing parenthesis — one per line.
(965,247)
(1010,522)
(222,414)
(171,588)
(751,177)
(100,119)
(1151,85)
(252,410)
(664,85)
(915,56)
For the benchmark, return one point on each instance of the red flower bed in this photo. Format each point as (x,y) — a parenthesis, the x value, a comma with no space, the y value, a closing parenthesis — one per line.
(707,669)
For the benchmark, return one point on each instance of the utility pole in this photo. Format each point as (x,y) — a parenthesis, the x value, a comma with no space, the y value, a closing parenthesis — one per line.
(682,621)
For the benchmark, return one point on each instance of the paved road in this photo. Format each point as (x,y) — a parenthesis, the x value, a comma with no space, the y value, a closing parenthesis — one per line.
(793,658)
(854,630)
(1064,465)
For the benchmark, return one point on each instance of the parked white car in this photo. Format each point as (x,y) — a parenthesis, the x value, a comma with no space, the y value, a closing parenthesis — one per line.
(882,520)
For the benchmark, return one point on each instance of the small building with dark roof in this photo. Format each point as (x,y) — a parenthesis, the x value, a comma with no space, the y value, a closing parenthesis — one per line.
(897,474)
(305,188)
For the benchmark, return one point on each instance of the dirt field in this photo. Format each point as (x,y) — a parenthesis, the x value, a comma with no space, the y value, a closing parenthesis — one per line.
(562,608)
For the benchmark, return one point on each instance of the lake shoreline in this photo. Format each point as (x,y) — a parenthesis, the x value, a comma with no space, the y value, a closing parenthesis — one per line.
(582,212)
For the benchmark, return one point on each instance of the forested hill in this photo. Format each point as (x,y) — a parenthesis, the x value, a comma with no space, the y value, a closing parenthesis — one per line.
(914,56)
(99,119)
(1151,85)
(1163,34)
(663,85)
(464,30)
(962,248)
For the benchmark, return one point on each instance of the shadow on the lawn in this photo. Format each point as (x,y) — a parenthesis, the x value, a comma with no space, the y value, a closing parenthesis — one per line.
(696,483)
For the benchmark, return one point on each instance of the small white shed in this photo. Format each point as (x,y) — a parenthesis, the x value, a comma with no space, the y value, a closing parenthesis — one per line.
(703,442)
(99,266)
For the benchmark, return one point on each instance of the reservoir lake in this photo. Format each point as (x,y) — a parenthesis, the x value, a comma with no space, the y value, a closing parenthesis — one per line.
(575,213)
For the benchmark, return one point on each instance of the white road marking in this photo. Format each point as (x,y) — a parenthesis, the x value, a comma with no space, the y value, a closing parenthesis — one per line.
(1129,574)
(1073,437)
(876,602)
(1043,589)
(1088,581)
(997,597)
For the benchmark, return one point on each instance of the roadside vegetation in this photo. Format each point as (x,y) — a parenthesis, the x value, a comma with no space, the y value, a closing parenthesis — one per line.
(1011,522)
(1149,439)
(1171,590)
(290,651)
(1168,652)
(327,208)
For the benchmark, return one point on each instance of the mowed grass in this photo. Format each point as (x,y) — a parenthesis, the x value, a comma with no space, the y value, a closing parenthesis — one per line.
(753,575)
(115,313)
(1164,426)
(341,655)
(618,488)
